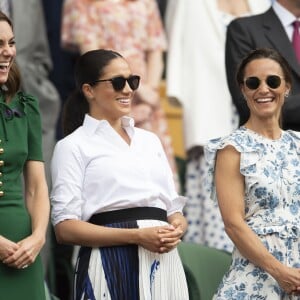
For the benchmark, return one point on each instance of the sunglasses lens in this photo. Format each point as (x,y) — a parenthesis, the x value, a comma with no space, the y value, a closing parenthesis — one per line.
(273,81)
(134,82)
(118,83)
(252,83)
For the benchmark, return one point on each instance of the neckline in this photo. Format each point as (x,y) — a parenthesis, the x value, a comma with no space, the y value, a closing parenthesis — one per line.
(262,136)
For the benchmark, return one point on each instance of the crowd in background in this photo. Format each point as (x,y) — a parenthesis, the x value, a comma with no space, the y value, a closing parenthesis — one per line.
(187,43)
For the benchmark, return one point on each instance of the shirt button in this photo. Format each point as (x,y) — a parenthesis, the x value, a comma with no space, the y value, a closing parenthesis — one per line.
(1,163)
(0,173)
(1,150)
(1,193)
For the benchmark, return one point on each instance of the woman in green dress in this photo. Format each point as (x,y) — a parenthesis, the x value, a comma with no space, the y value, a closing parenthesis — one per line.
(24,213)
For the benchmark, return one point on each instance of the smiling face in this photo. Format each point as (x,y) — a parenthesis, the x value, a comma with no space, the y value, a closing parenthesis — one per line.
(7,50)
(264,102)
(104,101)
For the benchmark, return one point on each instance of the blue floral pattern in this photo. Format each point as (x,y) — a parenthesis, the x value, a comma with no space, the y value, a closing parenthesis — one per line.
(272,208)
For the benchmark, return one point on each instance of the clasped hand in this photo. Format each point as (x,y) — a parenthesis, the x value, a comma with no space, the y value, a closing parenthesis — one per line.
(21,254)
(161,239)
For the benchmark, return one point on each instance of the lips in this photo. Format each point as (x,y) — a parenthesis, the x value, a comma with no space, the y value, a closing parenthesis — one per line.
(264,100)
(124,101)
(4,66)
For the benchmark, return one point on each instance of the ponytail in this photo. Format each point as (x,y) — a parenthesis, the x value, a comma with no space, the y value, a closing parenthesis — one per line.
(74,111)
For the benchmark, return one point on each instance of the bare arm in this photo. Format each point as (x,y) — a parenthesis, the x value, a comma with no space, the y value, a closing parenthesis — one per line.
(230,192)
(149,90)
(37,198)
(155,67)
(82,233)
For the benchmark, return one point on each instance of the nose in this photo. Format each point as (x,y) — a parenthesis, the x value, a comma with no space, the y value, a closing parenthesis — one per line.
(127,88)
(8,50)
(263,87)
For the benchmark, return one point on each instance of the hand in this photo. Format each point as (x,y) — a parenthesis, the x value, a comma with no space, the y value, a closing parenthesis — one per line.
(289,280)
(25,255)
(161,239)
(7,248)
(170,238)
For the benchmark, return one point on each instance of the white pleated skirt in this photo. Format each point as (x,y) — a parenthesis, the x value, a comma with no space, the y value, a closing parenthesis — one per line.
(129,272)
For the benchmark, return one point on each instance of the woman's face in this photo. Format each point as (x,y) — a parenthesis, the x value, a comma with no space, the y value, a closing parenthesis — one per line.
(107,103)
(7,50)
(266,96)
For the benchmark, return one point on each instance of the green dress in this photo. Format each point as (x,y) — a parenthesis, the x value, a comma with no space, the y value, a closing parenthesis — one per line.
(20,135)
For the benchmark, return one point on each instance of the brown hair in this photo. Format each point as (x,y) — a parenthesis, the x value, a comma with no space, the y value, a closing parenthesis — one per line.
(269,53)
(89,67)
(14,78)
(264,53)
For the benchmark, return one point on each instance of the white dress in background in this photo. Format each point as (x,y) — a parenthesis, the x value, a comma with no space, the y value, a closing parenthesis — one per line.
(196,75)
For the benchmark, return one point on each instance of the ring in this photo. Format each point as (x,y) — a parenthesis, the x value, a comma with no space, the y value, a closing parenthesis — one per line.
(25,266)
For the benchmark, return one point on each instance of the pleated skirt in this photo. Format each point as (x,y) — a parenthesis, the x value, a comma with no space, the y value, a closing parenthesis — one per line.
(129,272)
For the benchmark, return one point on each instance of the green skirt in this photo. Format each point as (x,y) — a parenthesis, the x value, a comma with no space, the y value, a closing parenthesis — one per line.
(19,284)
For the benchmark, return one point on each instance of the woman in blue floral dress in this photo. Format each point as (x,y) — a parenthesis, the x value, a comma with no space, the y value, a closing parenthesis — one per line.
(255,175)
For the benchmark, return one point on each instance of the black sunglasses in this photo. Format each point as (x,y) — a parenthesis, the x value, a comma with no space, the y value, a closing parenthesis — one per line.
(273,82)
(119,82)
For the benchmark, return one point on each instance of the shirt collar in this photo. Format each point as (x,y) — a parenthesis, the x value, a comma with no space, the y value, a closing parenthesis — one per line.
(91,125)
(285,16)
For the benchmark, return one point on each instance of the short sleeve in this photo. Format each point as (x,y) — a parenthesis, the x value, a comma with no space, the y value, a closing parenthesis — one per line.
(32,112)
(250,150)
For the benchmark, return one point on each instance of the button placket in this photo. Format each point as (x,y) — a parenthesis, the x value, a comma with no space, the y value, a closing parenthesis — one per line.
(1,165)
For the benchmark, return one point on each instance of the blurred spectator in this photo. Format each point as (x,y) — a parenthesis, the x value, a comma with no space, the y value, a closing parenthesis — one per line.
(63,61)
(62,75)
(273,29)
(196,76)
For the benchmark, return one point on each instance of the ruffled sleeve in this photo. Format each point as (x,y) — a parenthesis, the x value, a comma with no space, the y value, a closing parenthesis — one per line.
(251,150)
(32,113)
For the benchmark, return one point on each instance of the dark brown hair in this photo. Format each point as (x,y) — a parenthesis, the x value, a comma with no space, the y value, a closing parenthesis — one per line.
(89,67)
(264,53)
(14,78)
(269,53)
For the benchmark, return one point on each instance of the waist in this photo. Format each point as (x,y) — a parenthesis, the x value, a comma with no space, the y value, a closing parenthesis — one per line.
(129,214)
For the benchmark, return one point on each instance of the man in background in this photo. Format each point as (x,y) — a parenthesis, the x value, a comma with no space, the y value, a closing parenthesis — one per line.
(273,29)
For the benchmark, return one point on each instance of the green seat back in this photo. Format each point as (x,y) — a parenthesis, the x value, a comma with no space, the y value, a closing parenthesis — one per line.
(204,268)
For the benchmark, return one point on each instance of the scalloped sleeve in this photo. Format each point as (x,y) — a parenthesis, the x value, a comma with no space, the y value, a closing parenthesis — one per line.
(250,150)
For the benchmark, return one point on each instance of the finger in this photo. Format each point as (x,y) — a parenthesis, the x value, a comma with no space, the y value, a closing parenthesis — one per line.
(24,266)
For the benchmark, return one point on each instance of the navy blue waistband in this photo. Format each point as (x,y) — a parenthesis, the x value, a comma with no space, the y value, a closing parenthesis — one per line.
(129,214)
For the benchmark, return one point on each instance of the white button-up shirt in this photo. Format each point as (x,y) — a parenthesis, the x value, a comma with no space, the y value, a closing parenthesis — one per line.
(95,170)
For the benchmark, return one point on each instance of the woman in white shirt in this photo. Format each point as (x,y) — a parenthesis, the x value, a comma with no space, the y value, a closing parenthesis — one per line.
(113,191)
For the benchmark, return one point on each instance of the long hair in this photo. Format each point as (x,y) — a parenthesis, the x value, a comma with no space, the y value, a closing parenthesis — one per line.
(13,82)
(89,67)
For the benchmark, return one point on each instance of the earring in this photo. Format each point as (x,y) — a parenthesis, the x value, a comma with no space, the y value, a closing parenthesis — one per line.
(287,93)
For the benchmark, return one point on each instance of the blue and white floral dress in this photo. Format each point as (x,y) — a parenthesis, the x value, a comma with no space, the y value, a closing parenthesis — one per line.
(272,208)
